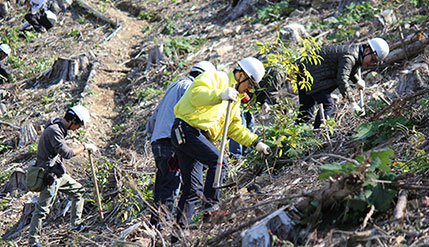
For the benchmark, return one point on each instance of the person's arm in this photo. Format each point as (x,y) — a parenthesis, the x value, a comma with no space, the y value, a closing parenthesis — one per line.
(237,131)
(59,144)
(345,67)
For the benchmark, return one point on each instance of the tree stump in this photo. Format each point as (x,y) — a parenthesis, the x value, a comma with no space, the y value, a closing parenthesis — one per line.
(16,181)
(236,9)
(65,69)
(4,9)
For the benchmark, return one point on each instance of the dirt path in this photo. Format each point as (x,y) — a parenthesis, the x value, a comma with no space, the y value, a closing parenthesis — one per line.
(106,86)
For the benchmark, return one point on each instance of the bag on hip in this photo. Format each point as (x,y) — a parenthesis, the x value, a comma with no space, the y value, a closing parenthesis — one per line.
(34,178)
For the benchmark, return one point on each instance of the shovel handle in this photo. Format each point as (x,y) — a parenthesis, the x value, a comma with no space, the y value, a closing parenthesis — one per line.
(216,184)
(94,177)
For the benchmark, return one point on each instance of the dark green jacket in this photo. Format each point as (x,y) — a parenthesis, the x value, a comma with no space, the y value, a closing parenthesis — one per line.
(339,65)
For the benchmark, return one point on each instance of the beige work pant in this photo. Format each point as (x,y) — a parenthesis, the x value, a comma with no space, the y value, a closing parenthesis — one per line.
(65,184)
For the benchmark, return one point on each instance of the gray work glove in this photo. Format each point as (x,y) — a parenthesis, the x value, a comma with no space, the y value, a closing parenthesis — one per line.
(263,148)
(90,147)
(229,94)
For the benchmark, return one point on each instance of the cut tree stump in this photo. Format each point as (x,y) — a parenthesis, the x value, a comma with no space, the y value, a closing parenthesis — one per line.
(27,134)
(4,9)
(16,181)
(236,9)
(154,57)
(64,69)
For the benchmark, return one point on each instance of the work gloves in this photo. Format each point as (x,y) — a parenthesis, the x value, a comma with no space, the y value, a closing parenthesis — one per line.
(229,94)
(360,84)
(263,148)
(90,147)
(356,109)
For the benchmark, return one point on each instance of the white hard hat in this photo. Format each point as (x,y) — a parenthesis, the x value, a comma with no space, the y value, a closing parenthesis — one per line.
(51,16)
(81,112)
(253,68)
(203,66)
(380,47)
(5,48)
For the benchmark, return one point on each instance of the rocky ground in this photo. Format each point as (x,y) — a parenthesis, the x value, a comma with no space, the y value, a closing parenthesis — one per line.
(121,91)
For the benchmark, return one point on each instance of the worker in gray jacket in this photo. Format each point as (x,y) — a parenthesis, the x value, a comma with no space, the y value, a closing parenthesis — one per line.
(167,181)
(339,65)
(51,151)
(4,72)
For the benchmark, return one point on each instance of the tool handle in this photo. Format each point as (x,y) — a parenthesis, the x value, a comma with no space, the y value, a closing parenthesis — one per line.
(218,173)
(361,98)
(94,177)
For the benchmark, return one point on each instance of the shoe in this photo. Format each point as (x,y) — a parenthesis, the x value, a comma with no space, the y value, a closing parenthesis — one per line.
(78,228)
(37,245)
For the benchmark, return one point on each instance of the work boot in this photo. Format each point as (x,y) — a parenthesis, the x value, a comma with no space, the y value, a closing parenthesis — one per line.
(78,228)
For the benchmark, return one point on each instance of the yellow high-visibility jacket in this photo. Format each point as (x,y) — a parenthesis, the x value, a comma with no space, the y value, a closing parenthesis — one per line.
(202,107)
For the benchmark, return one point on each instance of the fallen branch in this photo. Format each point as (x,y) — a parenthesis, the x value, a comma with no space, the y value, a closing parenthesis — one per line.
(11,125)
(97,13)
(399,103)
(367,217)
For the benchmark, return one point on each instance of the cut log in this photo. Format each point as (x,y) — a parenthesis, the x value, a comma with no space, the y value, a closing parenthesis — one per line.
(236,9)
(97,13)
(412,50)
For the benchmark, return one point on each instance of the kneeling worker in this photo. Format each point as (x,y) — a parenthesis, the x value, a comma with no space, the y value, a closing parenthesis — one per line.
(200,117)
(51,151)
(4,72)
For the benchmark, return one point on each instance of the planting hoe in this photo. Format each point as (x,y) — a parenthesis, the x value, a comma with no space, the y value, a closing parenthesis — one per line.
(94,177)
(216,184)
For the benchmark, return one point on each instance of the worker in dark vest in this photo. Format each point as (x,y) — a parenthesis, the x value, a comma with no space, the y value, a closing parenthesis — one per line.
(51,151)
(339,66)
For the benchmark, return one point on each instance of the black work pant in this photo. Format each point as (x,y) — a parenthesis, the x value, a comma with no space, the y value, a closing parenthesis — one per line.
(307,103)
(38,21)
(167,182)
(195,153)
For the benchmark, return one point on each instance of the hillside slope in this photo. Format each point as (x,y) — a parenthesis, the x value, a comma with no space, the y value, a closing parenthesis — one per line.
(121,91)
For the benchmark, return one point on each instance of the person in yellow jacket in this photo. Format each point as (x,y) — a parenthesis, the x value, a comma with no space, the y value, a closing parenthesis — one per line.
(200,117)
